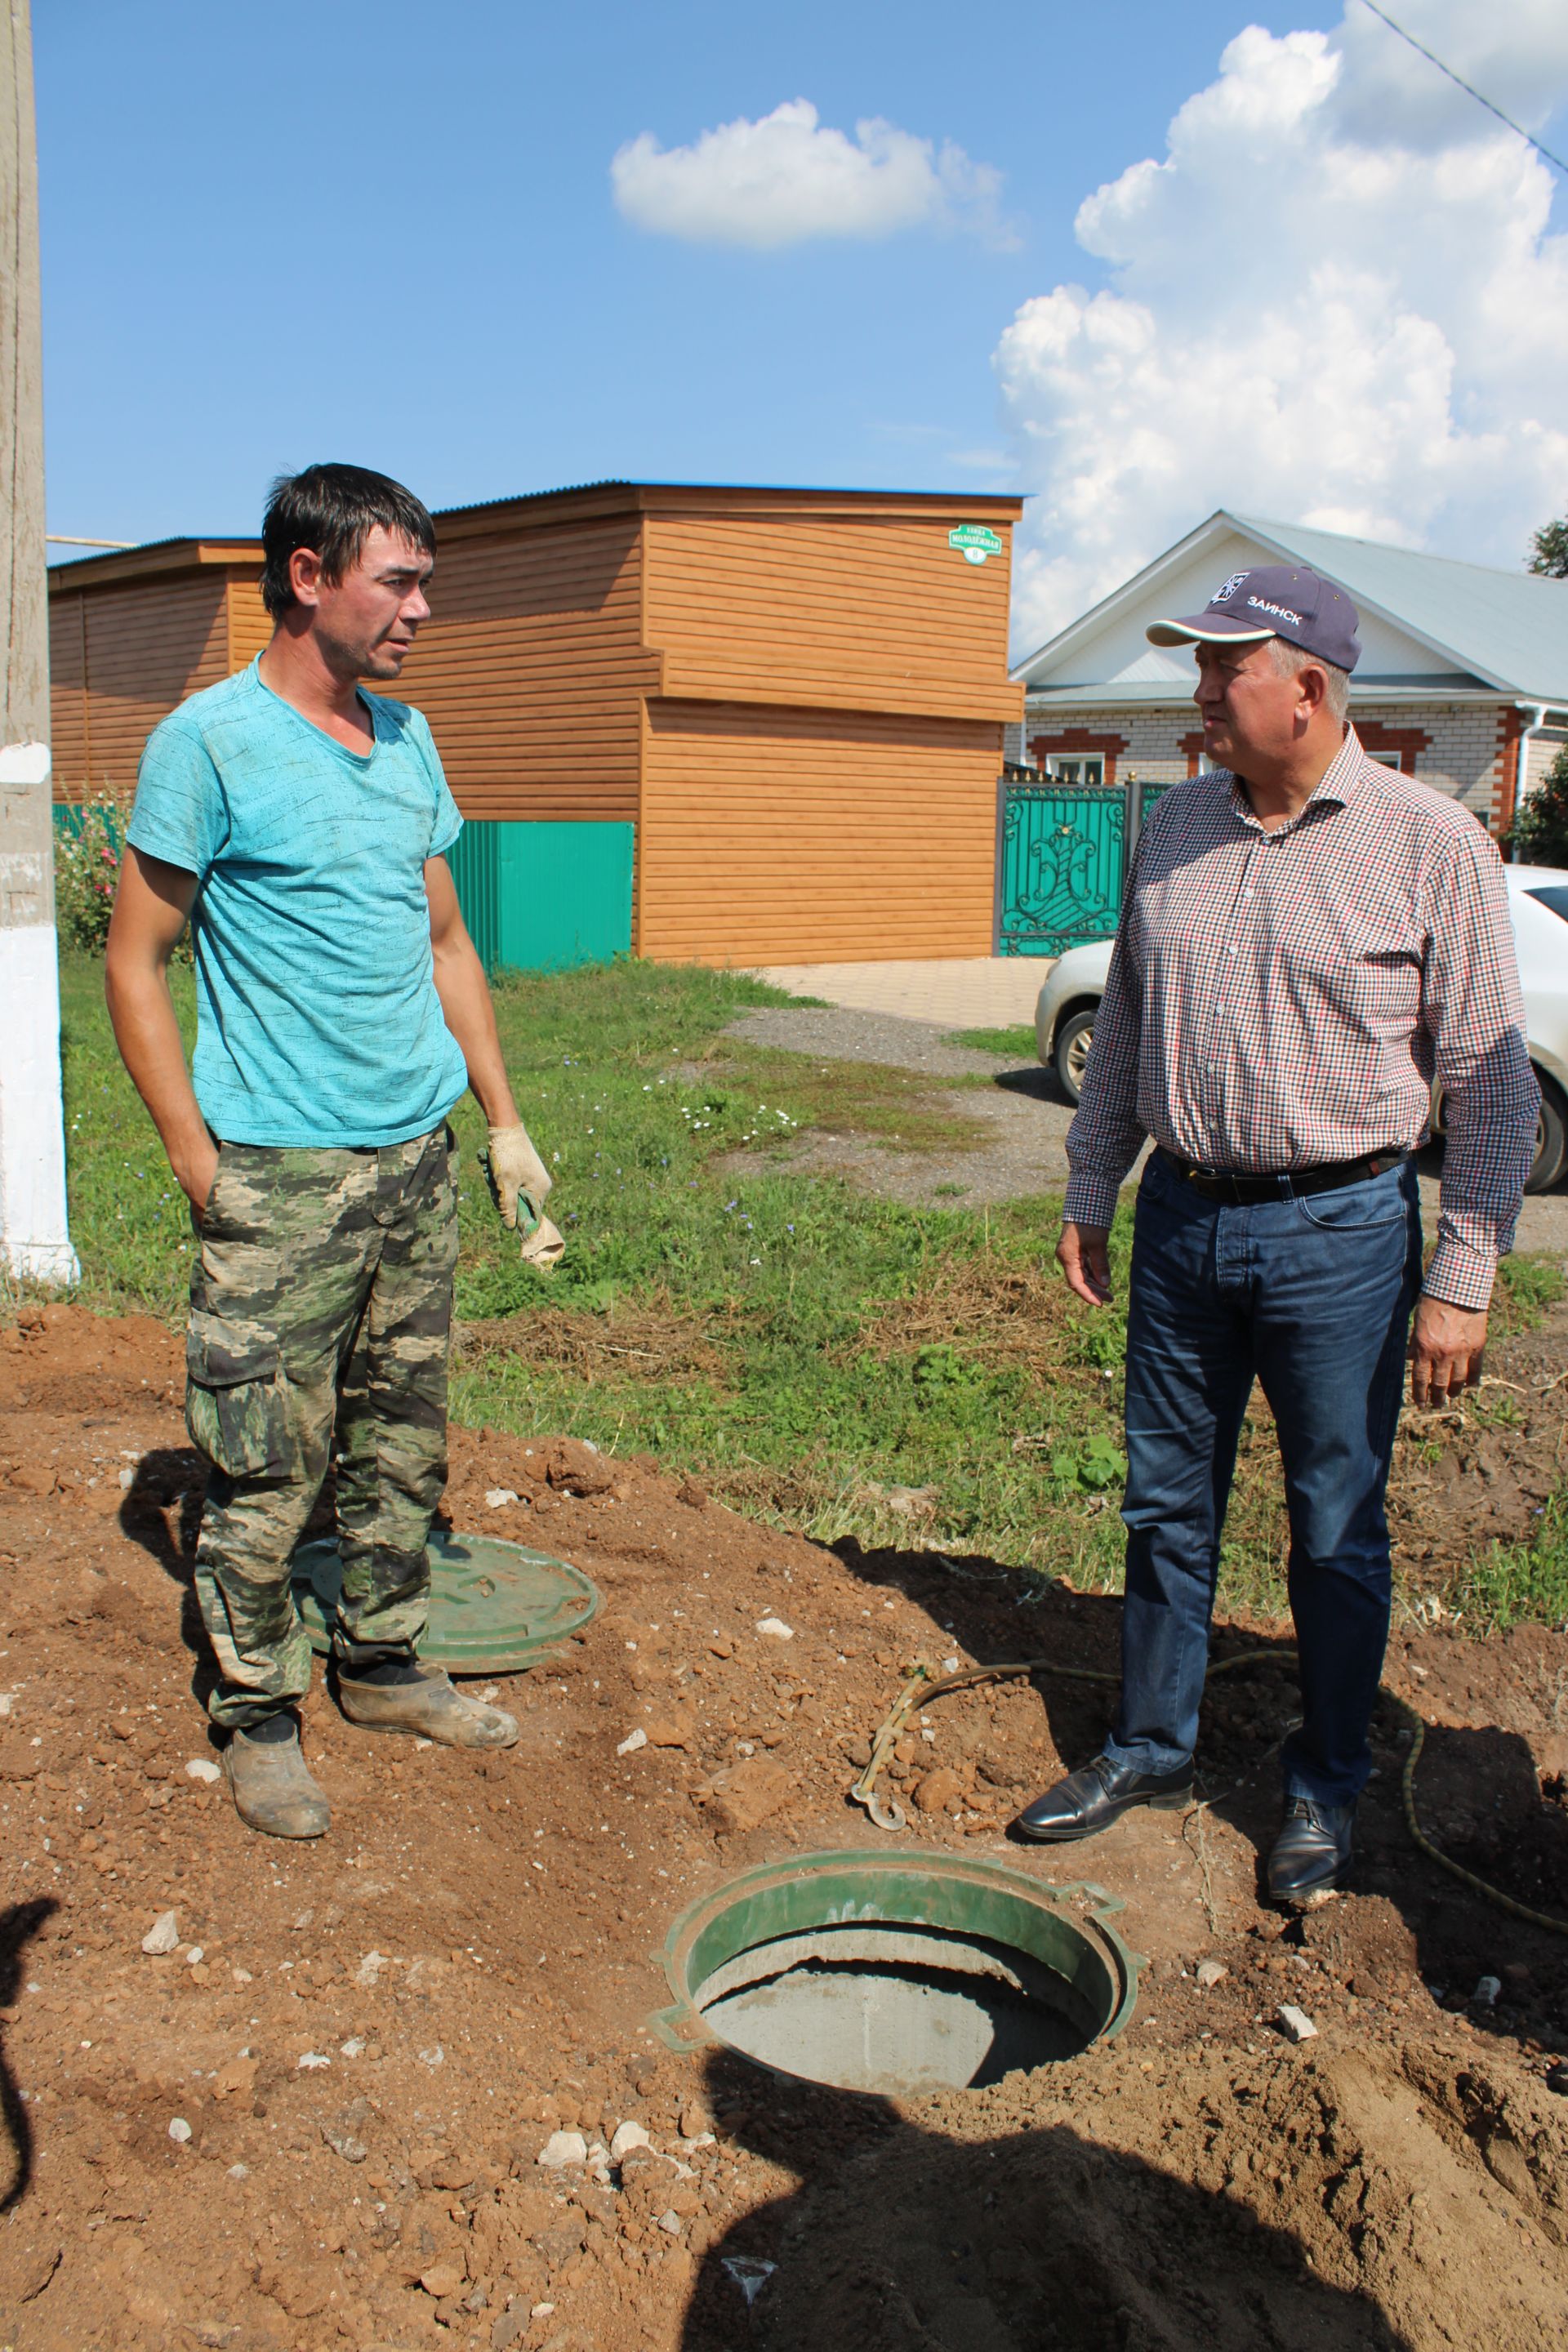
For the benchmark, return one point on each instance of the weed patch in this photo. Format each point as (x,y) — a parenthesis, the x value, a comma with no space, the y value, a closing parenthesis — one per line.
(1019,1043)
(1511,1583)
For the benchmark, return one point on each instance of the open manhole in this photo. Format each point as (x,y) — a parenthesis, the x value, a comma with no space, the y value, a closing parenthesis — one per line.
(495,1607)
(897,1973)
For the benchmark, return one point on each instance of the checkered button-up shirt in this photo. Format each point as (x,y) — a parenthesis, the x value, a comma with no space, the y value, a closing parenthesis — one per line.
(1277,1000)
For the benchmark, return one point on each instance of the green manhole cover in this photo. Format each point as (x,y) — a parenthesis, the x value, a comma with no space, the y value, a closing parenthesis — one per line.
(495,1607)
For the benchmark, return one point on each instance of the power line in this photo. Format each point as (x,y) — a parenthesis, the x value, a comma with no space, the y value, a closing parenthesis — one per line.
(1470,91)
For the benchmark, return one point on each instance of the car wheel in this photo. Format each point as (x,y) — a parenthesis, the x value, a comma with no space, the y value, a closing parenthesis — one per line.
(1074,1039)
(1550,1137)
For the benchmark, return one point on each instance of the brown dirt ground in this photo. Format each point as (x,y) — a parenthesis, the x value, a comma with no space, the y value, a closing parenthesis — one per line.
(469,1953)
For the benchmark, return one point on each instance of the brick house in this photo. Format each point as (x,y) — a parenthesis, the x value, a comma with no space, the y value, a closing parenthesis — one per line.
(1463,679)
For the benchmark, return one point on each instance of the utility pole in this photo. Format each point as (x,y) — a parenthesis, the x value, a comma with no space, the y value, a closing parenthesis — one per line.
(35,1240)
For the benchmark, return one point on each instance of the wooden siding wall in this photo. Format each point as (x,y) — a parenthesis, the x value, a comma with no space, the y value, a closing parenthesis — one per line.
(844,613)
(806,836)
(249,622)
(120,658)
(531,670)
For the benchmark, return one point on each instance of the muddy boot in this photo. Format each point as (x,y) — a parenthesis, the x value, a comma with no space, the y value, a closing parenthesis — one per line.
(273,1791)
(421,1701)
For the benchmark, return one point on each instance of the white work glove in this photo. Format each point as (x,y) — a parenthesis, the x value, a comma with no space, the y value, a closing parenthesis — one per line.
(517,1177)
(545,1246)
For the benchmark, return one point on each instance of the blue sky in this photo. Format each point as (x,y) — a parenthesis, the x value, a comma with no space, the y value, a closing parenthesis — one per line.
(316,229)
(272,233)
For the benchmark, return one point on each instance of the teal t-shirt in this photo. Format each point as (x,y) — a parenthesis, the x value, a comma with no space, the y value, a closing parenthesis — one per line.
(318,1020)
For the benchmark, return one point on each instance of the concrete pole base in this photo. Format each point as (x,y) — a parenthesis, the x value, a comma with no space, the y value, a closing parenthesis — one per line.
(35,1239)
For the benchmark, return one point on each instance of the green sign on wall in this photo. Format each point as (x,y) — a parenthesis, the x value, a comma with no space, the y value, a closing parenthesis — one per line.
(975,541)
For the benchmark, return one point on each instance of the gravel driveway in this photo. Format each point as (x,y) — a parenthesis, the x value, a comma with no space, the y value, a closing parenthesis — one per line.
(1027,1114)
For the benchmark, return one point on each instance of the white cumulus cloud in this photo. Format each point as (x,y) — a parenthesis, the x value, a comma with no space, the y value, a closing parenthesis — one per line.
(787,177)
(1337,300)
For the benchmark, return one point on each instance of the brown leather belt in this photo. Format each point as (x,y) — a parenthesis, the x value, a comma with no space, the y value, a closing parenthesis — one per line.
(1329,1176)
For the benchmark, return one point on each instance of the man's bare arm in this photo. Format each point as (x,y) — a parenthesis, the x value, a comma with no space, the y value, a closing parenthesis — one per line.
(465,995)
(151,907)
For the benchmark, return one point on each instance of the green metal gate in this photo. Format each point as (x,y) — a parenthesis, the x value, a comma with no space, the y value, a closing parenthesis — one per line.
(539,897)
(1060,858)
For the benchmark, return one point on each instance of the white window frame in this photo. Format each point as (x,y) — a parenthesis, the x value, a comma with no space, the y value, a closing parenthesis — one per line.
(1057,761)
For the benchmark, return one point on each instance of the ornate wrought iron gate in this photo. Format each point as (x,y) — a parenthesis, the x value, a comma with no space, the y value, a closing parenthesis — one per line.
(1061,860)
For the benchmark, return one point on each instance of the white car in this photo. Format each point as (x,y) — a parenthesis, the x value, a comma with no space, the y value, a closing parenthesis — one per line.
(1538,902)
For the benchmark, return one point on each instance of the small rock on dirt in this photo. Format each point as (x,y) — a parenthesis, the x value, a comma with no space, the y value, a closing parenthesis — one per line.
(1209,1973)
(747,1794)
(774,1629)
(1294,2023)
(19,1761)
(940,1791)
(1505,2160)
(162,1936)
(627,2135)
(670,2221)
(179,2130)
(36,2271)
(442,2279)
(631,1742)
(669,1731)
(563,2147)
(202,1769)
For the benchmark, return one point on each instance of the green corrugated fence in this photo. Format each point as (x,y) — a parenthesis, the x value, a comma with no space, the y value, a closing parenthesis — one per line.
(538,897)
(535,897)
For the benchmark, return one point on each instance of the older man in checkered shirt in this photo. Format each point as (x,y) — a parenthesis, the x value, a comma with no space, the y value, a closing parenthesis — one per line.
(1307,937)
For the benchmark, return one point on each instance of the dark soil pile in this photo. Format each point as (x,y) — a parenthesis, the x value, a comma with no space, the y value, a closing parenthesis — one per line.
(316,2121)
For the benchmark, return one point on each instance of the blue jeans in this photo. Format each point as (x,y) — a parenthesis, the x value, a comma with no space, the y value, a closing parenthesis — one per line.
(1313,1295)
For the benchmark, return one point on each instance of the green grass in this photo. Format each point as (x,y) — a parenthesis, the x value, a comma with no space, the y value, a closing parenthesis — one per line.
(1526,1287)
(1510,1583)
(800,1344)
(1017,1044)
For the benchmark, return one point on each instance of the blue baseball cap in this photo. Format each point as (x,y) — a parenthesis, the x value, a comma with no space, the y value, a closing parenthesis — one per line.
(1272,600)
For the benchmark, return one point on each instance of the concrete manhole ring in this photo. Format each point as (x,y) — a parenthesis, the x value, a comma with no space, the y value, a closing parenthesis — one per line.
(897,1973)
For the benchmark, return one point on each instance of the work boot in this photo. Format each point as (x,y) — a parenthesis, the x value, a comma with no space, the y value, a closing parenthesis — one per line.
(273,1791)
(1089,1800)
(425,1705)
(1312,1852)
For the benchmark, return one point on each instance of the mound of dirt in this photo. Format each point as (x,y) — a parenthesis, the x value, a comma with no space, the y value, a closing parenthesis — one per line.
(309,2109)
(1203,2202)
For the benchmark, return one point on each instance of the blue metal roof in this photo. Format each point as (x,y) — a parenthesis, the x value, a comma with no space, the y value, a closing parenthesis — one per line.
(1509,628)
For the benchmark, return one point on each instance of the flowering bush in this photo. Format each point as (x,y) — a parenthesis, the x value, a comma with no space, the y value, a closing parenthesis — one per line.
(89,842)
(87,848)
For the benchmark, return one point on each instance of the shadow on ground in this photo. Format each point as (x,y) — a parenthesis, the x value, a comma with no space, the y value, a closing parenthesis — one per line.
(19,1924)
(901,2238)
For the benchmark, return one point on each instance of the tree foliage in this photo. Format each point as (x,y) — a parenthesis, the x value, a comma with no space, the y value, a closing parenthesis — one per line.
(1540,833)
(1551,545)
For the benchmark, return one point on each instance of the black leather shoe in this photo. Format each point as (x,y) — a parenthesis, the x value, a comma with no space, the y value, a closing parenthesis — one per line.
(1088,1800)
(1312,1852)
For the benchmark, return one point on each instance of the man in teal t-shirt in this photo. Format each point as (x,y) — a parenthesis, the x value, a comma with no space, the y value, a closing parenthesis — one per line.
(300,826)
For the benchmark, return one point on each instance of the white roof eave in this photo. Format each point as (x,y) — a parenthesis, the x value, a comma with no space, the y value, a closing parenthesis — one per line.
(1063,642)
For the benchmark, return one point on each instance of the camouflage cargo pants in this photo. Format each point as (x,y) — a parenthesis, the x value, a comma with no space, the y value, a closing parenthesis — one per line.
(320,1313)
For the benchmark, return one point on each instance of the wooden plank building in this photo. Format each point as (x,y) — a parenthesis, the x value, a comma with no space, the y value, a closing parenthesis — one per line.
(790,704)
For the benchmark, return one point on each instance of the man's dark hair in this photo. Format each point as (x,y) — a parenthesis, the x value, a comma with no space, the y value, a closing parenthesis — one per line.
(333,510)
